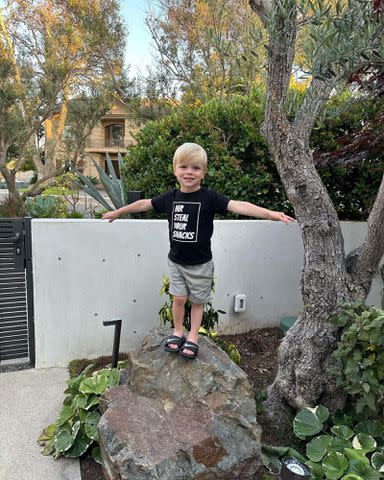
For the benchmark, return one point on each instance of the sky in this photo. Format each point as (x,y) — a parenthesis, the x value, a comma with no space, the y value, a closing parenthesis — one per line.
(138,50)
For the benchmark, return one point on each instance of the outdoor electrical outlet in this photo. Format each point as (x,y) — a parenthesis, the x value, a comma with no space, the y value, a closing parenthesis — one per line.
(240,302)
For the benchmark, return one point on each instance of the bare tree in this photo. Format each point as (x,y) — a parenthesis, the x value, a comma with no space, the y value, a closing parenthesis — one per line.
(341,38)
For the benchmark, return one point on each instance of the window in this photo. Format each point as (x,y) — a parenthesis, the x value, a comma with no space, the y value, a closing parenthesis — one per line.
(114,136)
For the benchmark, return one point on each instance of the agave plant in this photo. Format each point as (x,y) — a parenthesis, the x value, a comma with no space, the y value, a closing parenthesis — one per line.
(111,183)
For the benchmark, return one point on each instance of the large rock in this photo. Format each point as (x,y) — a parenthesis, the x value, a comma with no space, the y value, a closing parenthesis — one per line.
(176,419)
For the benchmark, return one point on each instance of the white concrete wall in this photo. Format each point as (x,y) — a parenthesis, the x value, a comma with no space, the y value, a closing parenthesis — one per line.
(88,271)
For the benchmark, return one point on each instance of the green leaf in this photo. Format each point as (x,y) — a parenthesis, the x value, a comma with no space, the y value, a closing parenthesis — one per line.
(63,440)
(49,447)
(352,476)
(82,415)
(270,456)
(354,454)
(90,425)
(112,188)
(271,461)
(334,464)
(66,413)
(92,401)
(48,434)
(370,399)
(76,428)
(317,470)
(377,461)
(309,421)
(295,454)
(337,444)
(74,383)
(363,470)
(342,417)
(96,454)
(364,442)
(113,376)
(96,384)
(317,448)
(342,431)
(80,400)
(80,445)
(370,427)
(89,188)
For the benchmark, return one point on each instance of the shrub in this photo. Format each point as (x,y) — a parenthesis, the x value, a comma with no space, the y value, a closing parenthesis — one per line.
(12,208)
(46,207)
(360,357)
(75,215)
(239,163)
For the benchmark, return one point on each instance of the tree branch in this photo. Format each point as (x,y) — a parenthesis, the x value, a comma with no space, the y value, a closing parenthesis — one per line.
(316,96)
(41,184)
(281,52)
(261,7)
(372,250)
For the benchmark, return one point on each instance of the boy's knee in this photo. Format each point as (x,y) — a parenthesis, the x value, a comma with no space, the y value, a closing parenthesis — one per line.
(179,301)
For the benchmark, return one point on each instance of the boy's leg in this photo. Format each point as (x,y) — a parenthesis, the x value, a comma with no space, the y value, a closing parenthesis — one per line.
(179,290)
(199,281)
(196,318)
(178,318)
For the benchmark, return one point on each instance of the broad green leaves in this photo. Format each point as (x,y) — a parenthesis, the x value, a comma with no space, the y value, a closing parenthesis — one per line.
(309,421)
(334,464)
(353,452)
(76,428)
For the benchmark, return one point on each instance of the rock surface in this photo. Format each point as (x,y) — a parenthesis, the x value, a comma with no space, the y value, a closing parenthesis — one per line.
(176,419)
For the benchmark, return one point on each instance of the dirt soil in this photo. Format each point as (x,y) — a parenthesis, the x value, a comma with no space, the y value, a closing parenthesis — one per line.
(258,349)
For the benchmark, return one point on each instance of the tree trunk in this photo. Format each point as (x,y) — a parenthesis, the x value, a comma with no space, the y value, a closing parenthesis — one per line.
(304,355)
(10,178)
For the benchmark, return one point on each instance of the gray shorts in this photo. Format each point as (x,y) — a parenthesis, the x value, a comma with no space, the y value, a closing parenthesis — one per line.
(193,281)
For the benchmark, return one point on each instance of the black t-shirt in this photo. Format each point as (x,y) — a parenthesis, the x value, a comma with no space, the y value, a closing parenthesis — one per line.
(190,219)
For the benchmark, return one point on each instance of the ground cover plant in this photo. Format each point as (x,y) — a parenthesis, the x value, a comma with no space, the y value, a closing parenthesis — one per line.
(75,431)
(348,443)
(346,447)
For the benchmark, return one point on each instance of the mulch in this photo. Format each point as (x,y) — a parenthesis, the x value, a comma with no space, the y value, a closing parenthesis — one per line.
(258,349)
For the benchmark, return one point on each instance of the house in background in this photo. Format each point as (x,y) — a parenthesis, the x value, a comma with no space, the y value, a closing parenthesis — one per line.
(112,135)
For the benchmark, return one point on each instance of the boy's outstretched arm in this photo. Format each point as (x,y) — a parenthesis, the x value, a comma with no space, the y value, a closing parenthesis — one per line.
(251,210)
(135,207)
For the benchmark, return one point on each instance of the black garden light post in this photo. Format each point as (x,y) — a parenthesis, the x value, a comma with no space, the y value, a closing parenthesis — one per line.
(116,339)
(292,469)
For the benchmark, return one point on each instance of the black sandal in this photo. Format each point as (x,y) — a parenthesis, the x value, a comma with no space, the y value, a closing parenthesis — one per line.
(174,340)
(188,345)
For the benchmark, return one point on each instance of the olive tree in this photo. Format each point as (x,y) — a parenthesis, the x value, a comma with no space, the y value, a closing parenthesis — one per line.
(341,37)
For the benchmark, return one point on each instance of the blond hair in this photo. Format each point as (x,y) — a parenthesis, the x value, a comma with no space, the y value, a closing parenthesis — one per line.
(190,153)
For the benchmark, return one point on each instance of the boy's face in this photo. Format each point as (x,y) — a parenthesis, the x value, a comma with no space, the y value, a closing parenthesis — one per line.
(189,175)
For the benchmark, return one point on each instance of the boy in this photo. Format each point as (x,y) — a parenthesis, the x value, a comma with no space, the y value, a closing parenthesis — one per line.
(190,212)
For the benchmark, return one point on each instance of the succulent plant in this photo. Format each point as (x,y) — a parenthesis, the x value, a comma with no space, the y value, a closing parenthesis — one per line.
(111,183)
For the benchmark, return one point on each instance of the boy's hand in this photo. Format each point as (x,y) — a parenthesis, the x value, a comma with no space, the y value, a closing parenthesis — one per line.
(110,216)
(281,217)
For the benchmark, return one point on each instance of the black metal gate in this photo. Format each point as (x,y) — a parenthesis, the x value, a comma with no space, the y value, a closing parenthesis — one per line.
(17,339)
